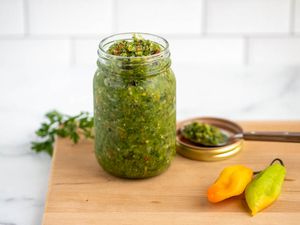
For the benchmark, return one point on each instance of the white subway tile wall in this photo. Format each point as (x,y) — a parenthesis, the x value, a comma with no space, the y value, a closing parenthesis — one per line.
(248,16)
(70,17)
(208,50)
(86,51)
(297,16)
(201,31)
(160,16)
(275,51)
(34,52)
(11,17)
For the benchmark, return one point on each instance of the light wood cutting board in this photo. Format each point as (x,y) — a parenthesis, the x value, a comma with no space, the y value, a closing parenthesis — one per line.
(81,193)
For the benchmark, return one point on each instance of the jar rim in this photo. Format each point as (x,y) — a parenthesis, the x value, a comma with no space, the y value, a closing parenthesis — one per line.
(114,37)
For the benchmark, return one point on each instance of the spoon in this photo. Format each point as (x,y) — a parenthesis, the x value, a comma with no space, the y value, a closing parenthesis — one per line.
(275,136)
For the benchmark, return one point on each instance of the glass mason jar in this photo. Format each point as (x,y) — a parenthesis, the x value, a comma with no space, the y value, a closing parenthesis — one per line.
(134,110)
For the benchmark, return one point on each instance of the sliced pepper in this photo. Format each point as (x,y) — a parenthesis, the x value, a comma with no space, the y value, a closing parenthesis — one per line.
(265,187)
(231,182)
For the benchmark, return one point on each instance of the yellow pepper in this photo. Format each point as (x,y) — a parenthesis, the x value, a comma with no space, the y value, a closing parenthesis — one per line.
(265,187)
(231,182)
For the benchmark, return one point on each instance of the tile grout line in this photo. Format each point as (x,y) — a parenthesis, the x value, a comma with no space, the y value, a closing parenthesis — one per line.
(169,35)
(26,17)
(204,18)
(246,50)
(72,51)
(292,17)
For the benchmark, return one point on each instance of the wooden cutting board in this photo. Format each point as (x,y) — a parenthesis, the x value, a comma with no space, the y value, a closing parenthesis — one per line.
(81,193)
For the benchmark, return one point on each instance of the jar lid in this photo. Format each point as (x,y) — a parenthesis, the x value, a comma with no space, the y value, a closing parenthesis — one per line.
(188,149)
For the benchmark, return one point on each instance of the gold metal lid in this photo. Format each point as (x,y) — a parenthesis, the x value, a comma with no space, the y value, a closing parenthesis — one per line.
(192,151)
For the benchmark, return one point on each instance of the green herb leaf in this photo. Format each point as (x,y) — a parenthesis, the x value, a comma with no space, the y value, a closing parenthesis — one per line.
(62,125)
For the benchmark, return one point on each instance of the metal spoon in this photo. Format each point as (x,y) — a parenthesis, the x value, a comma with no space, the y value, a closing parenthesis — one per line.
(275,136)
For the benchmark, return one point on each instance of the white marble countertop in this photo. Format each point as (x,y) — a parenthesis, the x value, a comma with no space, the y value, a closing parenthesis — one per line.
(26,94)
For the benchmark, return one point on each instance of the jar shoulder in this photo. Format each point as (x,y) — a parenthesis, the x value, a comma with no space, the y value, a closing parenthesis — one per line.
(102,78)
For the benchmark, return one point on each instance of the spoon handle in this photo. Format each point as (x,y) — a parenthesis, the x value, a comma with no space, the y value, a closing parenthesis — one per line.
(272,136)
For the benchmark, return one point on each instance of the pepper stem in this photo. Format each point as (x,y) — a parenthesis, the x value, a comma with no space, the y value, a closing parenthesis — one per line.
(277,159)
(274,160)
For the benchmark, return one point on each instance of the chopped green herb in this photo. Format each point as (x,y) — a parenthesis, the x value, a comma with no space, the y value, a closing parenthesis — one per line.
(203,133)
(136,47)
(62,125)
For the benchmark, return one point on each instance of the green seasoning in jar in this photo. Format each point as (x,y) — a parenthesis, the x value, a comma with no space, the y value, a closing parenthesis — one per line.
(134,106)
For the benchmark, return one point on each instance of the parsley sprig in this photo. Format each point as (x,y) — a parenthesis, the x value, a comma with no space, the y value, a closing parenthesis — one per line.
(62,125)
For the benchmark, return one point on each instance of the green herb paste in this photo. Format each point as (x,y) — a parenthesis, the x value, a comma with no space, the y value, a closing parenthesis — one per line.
(134,48)
(134,105)
(202,133)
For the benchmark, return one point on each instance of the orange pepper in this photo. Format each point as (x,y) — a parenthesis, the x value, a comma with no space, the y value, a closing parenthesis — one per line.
(231,182)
